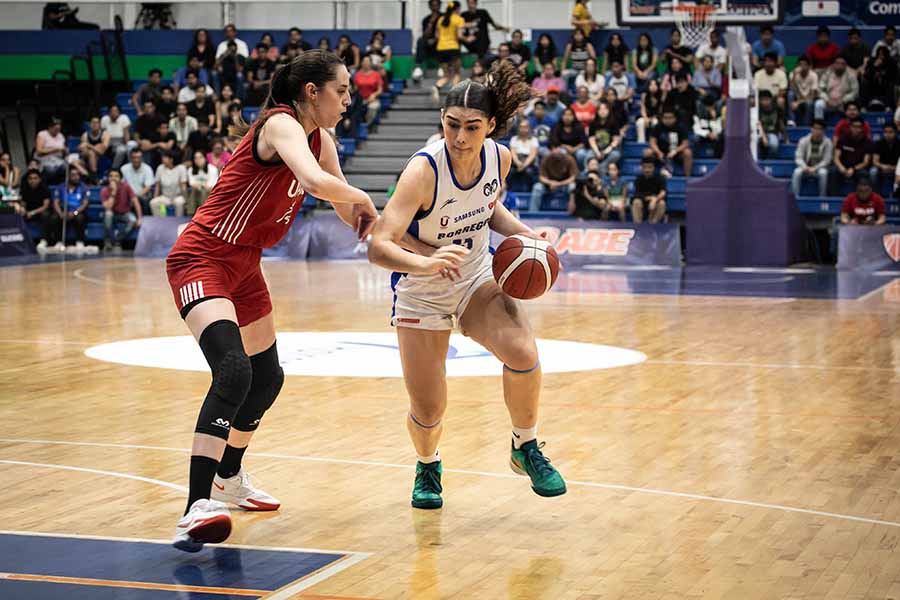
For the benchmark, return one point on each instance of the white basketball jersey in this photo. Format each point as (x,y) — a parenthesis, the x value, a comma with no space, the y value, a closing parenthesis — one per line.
(460,215)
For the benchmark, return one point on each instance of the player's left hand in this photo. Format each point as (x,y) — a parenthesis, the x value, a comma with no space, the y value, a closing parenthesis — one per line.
(533,235)
(364,218)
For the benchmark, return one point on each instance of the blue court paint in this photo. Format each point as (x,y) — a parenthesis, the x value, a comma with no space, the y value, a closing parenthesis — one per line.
(30,590)
(820,284)
(240,568)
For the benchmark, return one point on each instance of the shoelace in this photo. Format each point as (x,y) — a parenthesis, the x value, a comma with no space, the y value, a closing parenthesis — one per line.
(430,478)
(539,463)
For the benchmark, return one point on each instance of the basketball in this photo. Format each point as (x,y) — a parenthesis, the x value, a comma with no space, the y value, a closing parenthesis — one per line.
(525,268)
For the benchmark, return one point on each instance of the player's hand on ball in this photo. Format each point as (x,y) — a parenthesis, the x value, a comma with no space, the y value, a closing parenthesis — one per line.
(364,217)
(446,261)
(533,234)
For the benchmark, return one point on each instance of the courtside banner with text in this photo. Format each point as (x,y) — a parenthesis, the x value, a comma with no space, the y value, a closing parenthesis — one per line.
(869,247)
(581,243)
(15,239)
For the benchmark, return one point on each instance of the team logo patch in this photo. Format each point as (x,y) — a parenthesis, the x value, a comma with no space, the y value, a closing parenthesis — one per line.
(447,203)
(445,220)
(891,243)
(491,188)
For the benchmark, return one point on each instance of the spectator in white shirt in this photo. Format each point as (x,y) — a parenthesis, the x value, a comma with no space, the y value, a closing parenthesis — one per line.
(202,176)
(231,35)
(187,93)
(803,91)
(618,80)
(524,149)
(118,126)
(890,41)
(171,186)
(139,177)
(772,79)
(593,81)
(713,48)
(182,125)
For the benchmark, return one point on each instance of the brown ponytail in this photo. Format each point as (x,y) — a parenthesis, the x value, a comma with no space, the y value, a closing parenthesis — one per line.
(287,88)
(500,97)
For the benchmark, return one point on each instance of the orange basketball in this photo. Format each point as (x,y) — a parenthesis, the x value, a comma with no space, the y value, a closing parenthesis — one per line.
(525,268)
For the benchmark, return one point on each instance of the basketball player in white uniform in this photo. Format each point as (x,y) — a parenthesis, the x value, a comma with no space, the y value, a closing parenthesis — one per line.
(447,197)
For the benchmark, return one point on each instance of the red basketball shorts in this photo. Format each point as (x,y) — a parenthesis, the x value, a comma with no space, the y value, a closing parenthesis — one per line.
(201,265)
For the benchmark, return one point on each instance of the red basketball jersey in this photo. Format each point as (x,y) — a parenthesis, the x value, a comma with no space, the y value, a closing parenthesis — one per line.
(254,201)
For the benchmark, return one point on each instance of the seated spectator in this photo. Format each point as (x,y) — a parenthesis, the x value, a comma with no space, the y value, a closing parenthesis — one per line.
(289,53)
(167,103)
(348,52)
(649,193)
(851,112)
(200,140)
(503,53)
(380,55)
(568,135)
(259,72)
(618,80)
(578,50)
(151,91)
(324,44)
(188,93)
(669,143)
(823,53)
(879,82)
(715,50)
(519,53)
(541,124)
(353,116)
(836,87)
(643,61)
(146,128)
(234,117)
(708,126)
(118,126)
(195,66)
(120,206)
(94,144)
(479,73)
(10,175)
(51,150)
(295,36)
(651,108)
(863,207)
(544,53)
(370,86)
(615,190)
(677,50)
(851,157)
(524,149)
(70,202)
(558,171)
(803,91)
(202,176)
(856,52)
(683,99)
(764,45)
(771,124)
(813,158)
(218,157)
(36,201)
(553,108)
(265,47)
(676,68)
(619,111)
(708,79)
(202,107)
(202,49)
(885,155)
(182,125)
(771,79)
(616,51)
(223,109)
(548,79)
(171,187)
(139,177)
(605,141)
(162,143)
(890,42)
(590,79)
(583,108)
(588,202)
(231,37)
(230,68)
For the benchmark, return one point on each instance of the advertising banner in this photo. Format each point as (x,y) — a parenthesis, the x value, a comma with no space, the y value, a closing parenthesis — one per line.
(15,239)
(868,247)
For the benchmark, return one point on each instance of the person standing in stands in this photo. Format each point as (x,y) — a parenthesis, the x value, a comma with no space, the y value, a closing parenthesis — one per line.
(451,32)
(477,22)
(583,20)
(427,42)
(150,91)
(241,47)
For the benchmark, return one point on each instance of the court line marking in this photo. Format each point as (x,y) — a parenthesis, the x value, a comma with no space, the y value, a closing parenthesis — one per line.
(47,342)
(717,363)
(875,291)
(166,484)
(79,274)
(591,484)
(291,589)
(140,585)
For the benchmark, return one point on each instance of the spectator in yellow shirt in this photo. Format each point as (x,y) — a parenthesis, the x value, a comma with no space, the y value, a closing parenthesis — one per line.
(582,19)
(450,34)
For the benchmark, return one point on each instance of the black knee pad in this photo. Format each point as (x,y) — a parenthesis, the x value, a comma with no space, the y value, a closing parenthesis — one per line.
(231,377)
(268,377)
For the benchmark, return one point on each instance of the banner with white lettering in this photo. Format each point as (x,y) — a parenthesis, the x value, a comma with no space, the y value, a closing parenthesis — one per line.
(329,237)
(869,247)
(580,243)
(15,239)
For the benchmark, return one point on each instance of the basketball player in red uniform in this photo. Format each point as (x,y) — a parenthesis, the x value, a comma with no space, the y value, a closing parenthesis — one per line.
(214,271)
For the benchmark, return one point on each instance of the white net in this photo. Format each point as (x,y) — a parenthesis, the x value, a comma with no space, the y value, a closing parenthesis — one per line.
(695,24)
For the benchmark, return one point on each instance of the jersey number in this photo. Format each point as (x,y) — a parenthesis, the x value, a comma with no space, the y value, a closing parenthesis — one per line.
(467,242)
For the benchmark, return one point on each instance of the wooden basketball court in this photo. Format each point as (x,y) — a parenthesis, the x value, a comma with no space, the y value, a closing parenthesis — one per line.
(755,453)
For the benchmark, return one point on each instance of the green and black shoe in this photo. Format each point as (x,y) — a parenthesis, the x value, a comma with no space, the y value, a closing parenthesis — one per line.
(427,489)
(529,460)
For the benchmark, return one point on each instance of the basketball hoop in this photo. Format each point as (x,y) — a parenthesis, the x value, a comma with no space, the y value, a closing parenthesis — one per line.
(695,22)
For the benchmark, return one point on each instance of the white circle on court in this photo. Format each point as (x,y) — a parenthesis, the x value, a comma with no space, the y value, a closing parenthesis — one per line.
(362,354)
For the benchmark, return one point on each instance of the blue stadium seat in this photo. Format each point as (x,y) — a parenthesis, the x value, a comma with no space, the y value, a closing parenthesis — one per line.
(72,143)
(633,150)
(676,203)
(778,168)
(123,99)
(249,113)
(557,200)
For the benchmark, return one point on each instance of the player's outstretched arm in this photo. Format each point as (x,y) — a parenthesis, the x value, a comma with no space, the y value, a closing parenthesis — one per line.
(361,217)
(385,250)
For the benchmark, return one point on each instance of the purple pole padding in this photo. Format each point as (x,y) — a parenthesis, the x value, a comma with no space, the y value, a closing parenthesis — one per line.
(738,215)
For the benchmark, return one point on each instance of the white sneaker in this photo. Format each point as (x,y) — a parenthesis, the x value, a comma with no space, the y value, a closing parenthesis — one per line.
(42,247)
(74,249)
(91,250)
(58,248)
(239,490)
(417,75)
(440,73)
(207,522)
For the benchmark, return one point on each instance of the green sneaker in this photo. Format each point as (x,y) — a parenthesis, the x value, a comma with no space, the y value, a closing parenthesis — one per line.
(529,460)
(427,489)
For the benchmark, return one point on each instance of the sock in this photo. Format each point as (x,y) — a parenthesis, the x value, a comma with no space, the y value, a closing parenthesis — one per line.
(425,460)
(231,461)
(520,435)
(203,469)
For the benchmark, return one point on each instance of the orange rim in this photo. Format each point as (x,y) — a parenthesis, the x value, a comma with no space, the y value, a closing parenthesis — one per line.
(701,10)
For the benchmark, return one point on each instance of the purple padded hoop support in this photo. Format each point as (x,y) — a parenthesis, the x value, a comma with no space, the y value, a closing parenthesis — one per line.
(738,215)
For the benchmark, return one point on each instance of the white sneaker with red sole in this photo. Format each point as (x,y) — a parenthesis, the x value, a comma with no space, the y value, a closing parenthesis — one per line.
(207,522)
(240,491)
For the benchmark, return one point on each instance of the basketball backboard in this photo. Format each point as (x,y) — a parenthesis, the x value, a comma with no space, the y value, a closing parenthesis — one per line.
(727,12)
